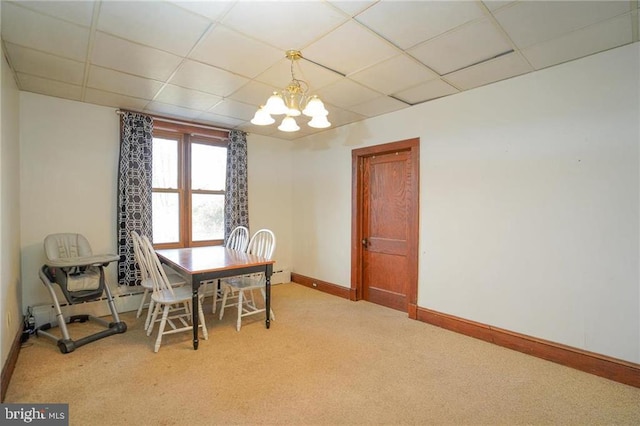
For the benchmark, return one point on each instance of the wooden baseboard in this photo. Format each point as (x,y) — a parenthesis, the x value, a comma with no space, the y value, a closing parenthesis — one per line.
(323,286)
(589,362)
(10,364)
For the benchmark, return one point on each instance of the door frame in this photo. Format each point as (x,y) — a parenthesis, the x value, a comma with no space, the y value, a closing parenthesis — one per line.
(357,161)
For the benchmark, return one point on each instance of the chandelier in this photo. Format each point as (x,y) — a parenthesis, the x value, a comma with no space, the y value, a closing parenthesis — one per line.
(293,101)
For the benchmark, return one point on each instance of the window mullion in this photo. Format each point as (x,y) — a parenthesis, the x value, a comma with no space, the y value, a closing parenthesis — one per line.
(185,176)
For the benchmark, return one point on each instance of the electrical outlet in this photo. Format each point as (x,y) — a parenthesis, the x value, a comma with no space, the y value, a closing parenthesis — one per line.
(314,285)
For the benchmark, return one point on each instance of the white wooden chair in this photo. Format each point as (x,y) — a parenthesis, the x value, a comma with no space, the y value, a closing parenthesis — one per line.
(146,282)
(168,299)
(238,240)
(263,244)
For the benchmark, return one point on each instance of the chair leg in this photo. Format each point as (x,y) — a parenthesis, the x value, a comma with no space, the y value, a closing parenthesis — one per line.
(163,322)
(154,317)
(225,294)
(205,333)
(239,323)
(216,286)
(144,297)
(147,322)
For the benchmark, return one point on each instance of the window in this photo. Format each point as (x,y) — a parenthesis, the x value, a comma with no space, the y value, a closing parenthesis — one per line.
(189,179)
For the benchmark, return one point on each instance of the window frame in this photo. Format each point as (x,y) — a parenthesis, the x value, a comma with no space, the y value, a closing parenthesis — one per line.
(187,134)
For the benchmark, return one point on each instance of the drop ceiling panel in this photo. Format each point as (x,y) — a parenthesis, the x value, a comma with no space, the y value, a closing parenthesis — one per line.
(168,110)
(345,93)
(118,54)
(279,75)
(124,84)
(219,120)
(32,29)
(606,35)
(532,22)
(408,23)
(501,68)
(284,24)
(234,52)
(352,7)
(77,12)
(466,45)
(192,99)
(34,62)
(115,100)
(378,106)
(254,93)
(213,10)
(230,108)
(31,83)
(350,48)
(394,74)
(165,26)
(426,91)
(206,78)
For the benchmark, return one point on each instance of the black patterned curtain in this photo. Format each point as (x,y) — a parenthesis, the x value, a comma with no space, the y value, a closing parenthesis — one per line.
(236,201)
(134,189)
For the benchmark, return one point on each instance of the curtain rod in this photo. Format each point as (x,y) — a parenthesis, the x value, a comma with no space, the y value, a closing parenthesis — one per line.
(171,120)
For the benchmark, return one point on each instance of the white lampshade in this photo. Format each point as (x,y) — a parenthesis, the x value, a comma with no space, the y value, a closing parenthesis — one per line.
(319,122)
(275,105)
(315,108)
(262,117)
(289,125)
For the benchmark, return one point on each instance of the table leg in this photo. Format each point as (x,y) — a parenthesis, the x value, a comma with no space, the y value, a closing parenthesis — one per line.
(267,301)
(194,317)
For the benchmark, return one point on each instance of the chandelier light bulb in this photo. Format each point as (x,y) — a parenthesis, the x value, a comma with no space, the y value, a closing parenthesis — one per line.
(289,125)
(315,108)
(275,105)
(262,117)
(319,122)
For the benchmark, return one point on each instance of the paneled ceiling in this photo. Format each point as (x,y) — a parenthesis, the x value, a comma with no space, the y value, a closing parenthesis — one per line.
(215,62)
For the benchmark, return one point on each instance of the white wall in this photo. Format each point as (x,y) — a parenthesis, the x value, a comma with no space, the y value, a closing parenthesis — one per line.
(529,202)
(69,164)
(10,288)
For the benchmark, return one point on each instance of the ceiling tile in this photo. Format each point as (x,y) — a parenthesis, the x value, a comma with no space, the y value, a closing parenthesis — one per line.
(379,106)
(259,130)
(166,26)
(345,93)
(494,5)
(32,29)
(466,45)
(339,117)
(408,23)
(31,83)
(172,111)
(234,52)
(284,24)
(350,48)
(316,76)
(612,33)
(124,84)
(426,91)
(100,97)
(213,10)
(115,53)
(29,61)
(352,7)
(230,108)
(394,74)
(187,98)
(78,12)
(220,120)
(532,22)
(254,93)
(196,75)
(501,68)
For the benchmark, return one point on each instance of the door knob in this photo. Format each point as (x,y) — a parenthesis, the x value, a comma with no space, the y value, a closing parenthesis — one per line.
(364,242)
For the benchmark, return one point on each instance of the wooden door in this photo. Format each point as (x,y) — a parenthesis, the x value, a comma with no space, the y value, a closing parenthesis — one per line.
(386,225)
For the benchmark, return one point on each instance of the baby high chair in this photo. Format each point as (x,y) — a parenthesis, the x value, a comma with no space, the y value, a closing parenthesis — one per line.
(80,275)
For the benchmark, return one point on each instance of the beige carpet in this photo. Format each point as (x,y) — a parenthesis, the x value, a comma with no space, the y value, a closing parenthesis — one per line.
(324,361)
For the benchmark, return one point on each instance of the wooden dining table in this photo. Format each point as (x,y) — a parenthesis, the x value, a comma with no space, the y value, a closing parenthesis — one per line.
(215,262)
